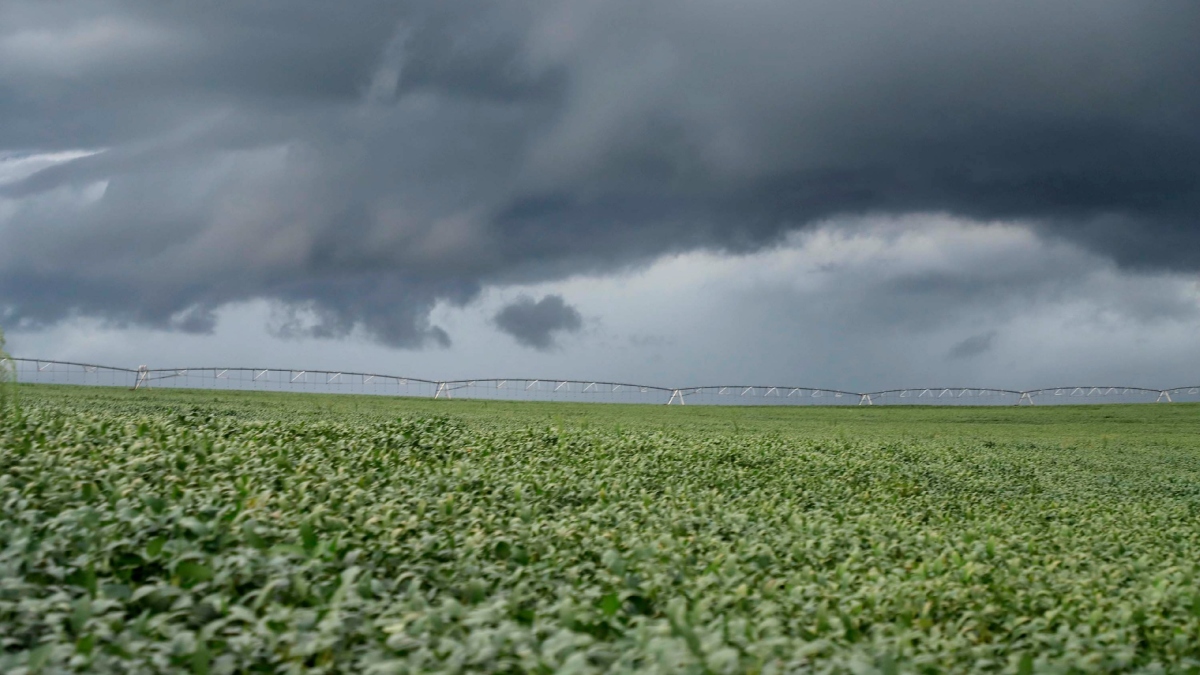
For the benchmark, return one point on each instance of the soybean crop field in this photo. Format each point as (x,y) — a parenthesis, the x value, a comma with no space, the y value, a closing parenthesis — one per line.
(225,532)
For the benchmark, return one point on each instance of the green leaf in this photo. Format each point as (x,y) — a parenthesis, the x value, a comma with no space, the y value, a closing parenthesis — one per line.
(191,572)
(155,546)
(201,658)
(475,591)
(308,536)
(502,550)
(609,604)
(84,578)
(40,656)
(81,611)
(142,592)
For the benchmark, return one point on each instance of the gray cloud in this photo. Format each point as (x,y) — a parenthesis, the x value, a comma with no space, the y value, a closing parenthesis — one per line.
(976,345)
(535,324)
(831,307)
(358,165)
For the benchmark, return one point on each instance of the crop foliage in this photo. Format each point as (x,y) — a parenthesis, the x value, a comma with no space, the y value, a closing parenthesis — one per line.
(155,532)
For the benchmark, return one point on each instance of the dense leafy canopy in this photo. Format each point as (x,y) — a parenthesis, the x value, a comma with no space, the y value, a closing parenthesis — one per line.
(143,533)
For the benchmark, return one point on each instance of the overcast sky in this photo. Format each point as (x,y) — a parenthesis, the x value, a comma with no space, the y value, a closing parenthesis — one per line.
(842,194)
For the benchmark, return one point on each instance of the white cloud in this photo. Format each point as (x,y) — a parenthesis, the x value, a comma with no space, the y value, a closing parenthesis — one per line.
(16,166)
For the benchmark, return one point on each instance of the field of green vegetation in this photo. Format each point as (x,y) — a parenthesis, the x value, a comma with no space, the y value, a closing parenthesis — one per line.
(224,532)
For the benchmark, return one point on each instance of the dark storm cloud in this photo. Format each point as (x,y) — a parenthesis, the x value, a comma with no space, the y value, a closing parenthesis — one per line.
(360,163)
(535,324)
(973,346)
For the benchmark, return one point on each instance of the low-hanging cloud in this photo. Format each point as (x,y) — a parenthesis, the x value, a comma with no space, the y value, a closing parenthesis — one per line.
(356,166)
(537,324)
(975,345)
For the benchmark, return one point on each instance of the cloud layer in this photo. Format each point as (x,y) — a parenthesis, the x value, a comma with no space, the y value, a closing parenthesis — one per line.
(358,166)
(536,324)
(858,305)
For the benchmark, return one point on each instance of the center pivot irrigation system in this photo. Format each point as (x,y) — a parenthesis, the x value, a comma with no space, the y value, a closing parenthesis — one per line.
(43,371)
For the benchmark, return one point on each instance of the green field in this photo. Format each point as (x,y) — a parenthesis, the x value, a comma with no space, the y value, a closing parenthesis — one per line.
(221,532)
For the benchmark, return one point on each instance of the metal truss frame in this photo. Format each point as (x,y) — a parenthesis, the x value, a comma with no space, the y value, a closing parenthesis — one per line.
(557,388)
